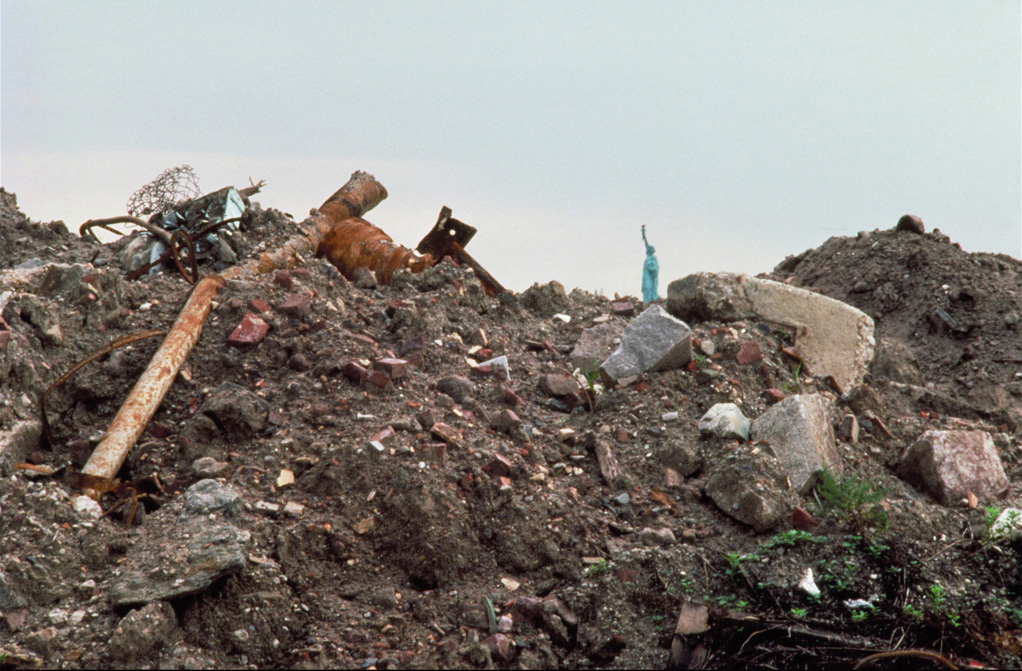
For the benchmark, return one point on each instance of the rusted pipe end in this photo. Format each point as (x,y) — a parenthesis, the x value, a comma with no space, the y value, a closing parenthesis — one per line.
(361,194)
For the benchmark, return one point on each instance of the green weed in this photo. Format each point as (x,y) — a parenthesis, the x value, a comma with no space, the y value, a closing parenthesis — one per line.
(851,499)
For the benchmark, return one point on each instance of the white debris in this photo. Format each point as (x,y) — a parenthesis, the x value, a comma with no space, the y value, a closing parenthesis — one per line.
(808,585)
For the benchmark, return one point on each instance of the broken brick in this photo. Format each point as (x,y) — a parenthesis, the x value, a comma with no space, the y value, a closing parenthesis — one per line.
(748,352)
(395,369)
(622,308)
(296,305)
(357,373)
(435,453)
(249,332)
(505,421)
(283,278)
(383,434)
(500,466)
(446,433)
(259,305)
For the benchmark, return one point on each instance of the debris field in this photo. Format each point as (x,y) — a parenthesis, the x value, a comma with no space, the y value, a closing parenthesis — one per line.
(383,459)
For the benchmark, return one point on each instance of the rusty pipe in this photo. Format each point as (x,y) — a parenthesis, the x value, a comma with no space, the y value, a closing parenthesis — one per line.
(141,404)
(360,194)
(355,243)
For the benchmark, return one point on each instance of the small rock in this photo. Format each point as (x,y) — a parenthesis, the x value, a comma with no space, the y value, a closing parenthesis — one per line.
(663,536)
(457,387)
(293,509)
(142,633)
(725,420)
(848,428)
(557,385)
(910,223)
(386,597)
(208,467)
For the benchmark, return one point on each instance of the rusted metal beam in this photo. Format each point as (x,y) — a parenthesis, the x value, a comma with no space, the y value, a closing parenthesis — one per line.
(448,237)
(359,195)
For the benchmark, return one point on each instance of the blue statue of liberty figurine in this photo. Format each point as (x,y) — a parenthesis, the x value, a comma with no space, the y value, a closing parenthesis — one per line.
(650,270)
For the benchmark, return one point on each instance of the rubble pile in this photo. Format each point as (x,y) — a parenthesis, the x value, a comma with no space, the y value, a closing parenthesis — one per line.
(430,473)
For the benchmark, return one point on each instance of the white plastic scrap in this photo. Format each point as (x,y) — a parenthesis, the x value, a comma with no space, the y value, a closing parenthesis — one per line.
(499,362)
(808,585)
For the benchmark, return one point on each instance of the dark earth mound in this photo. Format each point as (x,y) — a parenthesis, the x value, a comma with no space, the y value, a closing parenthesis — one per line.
(455,518)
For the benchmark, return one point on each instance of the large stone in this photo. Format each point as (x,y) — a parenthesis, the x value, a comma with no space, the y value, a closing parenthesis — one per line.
(799,432)
(184,547)
(834,338)
(595,345)
(725,420)
(143,633)
(748,484)
(238,412)
(653,341)
(17,443)
(950,464)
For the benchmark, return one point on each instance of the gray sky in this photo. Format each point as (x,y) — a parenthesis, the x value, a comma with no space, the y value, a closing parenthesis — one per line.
(738,132)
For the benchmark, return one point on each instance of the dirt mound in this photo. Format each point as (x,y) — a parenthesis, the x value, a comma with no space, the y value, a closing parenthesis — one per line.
(944,316)
(300,511)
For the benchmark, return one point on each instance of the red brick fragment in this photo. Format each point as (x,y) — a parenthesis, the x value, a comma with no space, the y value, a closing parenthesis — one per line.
(500,466)
(749,352)
(249,332)
(774,395)
(446,433)
(622,308)
(557,385)
(300,273)
(627,574)
(803,520)
(5,336)
(395,369)
(357,373)
(283,278)
(259,305)
(296,305)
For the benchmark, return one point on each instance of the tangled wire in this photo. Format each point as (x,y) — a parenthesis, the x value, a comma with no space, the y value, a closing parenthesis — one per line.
(173,187)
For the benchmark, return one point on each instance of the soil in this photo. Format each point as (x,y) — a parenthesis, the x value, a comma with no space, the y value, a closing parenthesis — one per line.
(456,518)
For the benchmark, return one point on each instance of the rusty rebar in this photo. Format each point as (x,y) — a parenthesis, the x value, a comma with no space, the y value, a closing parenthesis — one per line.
(359,195)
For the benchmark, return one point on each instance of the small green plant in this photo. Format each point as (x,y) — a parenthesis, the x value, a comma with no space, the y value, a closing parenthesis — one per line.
(734,563)
(598,567)
(851,499)
(913,612)
(790,538)
(800,612)
(937,596)
(861,614)
(877,549)
(793,386)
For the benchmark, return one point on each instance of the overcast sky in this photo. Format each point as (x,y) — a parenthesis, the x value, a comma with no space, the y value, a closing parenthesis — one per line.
(737,132)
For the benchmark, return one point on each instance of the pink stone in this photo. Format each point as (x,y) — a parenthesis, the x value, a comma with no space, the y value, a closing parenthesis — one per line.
(249,332)
(950,464)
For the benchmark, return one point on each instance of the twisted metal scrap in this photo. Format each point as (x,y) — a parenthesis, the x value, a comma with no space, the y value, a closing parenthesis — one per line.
(173,187)
(358,196)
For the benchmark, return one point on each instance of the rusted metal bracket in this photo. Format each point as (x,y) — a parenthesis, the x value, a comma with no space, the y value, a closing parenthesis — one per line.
(448,238)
